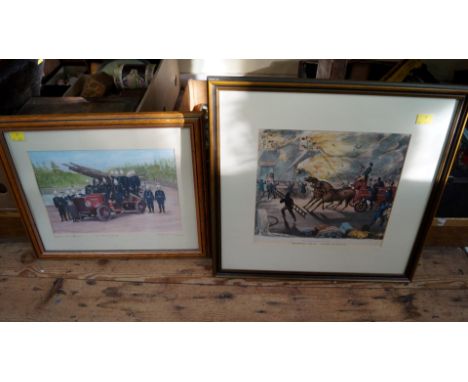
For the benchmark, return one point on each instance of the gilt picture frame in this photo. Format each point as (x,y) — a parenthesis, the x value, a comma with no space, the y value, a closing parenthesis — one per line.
(327,180)
(127,185)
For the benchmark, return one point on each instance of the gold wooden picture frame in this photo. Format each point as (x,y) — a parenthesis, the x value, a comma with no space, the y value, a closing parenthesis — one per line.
(108,185)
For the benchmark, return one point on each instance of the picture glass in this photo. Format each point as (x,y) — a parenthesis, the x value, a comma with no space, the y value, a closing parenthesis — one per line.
(109,189)
(324,182)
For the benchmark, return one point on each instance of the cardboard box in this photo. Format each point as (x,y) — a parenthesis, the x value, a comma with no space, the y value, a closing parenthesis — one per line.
(161,94)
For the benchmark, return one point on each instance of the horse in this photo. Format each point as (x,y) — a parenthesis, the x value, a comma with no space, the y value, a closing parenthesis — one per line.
(324,192)
(320,188)
(340,195)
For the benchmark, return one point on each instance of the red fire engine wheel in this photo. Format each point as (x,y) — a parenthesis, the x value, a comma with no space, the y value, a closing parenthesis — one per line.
(103,213)
(360,206)
(141,207)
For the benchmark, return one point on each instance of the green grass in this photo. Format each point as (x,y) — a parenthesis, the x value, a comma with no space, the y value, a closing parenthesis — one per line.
(162,170)
(52,176)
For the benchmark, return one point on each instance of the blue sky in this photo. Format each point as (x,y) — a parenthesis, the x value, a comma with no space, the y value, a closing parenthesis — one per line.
(100,159)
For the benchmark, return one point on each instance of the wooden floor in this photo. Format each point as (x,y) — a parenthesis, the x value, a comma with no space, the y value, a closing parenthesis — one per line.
(184,290)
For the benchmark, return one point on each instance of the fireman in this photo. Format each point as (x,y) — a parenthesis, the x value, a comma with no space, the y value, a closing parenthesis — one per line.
(118,194)
(123,181)
(60,204)
(367,171)
(160,197)
(134,182)
(149,199)
(288,206)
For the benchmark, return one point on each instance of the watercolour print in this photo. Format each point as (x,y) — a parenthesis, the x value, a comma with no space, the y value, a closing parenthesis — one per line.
(323,187)
(109,191)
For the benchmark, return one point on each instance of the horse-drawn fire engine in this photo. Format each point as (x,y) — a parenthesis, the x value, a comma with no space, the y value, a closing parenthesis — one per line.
(364,195)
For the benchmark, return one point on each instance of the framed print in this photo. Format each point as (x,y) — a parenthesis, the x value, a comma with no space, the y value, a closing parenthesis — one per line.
(327,180)
(117,185)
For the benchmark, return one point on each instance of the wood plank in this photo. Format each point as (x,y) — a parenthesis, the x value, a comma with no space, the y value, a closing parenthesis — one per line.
(11,225)
(450,222)
(440,267)
(447,235)
(41,299)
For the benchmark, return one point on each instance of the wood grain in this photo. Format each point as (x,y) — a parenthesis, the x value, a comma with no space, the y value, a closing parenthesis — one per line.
(447,235)
(11,224)
(73,300)
(441,268)
(34,289)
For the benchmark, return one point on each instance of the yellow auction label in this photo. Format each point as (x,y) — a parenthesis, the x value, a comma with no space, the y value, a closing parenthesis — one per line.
(423,119)
(17,136)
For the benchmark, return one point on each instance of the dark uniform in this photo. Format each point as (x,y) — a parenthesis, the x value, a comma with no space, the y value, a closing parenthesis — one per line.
(373,195)
(114,180)
(160,197)
(149,199)
(134,184)
(118,197)
(380,213)
(389,195)
(72,210)
(123,182)
(368,171)
(288,205)
(261,187)
(107,191)
(303,188)
(60,204)
(271,190)
(68,206)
